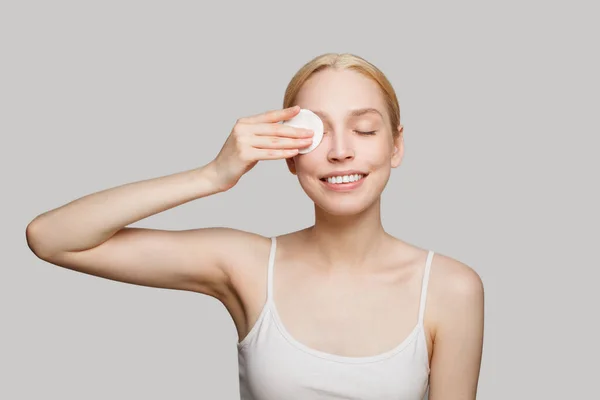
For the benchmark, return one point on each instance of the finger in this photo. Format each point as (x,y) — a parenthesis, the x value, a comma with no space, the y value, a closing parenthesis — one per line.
(279,130)
(274,154)
(275,142)
(272,116)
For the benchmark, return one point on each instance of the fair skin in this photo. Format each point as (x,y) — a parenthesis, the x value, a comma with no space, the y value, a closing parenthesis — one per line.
(345,252)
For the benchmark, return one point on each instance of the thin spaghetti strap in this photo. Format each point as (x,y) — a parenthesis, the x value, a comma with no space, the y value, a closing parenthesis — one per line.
(424,285)
(270,268)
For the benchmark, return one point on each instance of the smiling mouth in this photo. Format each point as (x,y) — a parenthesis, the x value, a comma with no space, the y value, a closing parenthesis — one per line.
(341,179)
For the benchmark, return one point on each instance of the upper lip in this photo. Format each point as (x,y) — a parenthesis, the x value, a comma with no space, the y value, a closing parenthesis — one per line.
(342,173)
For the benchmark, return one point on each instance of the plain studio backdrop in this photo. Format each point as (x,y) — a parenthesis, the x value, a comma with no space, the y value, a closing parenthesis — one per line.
(500,111)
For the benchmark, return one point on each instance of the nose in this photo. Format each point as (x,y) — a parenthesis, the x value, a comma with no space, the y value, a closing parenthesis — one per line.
(340,148)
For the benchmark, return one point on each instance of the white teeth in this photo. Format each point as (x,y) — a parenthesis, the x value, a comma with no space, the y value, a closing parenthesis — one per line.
(344,178)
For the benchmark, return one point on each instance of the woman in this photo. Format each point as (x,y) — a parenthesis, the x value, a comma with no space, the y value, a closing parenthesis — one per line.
(340,309)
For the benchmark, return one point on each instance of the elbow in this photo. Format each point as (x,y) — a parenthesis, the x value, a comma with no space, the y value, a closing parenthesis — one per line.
(34,237)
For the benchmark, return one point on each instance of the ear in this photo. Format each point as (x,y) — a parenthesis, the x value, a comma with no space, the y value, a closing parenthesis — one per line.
(291,163)
(398,149)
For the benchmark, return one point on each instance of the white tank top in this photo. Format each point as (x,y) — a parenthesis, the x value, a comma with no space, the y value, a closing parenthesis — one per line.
(275,366)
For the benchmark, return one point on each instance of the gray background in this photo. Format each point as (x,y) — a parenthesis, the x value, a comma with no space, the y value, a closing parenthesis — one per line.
(499,103)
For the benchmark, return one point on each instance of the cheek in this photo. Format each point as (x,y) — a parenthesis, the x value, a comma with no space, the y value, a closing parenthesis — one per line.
(306,164)
(377,156)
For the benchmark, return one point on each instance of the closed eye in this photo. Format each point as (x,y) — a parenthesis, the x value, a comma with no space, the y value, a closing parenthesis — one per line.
(366,132)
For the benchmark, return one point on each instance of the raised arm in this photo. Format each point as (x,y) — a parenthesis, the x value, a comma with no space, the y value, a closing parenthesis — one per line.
(91,234)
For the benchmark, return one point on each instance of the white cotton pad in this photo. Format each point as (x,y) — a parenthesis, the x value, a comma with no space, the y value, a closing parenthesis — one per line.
(308,120)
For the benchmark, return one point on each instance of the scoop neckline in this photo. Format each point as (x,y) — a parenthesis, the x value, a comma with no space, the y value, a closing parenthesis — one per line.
(338,357)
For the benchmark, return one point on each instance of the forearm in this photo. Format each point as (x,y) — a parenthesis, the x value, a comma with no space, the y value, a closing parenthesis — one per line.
(90,220)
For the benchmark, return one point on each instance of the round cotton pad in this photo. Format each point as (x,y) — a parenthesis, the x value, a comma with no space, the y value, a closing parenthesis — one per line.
(308,120)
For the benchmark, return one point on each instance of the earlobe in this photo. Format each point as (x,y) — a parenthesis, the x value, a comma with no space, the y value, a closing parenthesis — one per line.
(398,148)
(396,157)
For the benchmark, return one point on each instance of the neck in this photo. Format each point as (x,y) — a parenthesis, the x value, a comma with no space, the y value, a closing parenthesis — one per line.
(344,242)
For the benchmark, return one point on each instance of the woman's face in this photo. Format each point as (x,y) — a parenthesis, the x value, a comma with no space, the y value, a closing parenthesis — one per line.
(358,142)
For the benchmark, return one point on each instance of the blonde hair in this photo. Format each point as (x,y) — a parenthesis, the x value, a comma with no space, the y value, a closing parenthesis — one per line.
(351,62)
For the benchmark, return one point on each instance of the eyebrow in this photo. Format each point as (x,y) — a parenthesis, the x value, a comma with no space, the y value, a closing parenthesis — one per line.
(354,113)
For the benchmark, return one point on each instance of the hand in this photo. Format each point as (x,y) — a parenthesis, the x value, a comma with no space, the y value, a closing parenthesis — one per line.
(255,138)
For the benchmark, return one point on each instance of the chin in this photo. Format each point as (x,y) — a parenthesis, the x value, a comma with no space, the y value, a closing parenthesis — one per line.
(347,207)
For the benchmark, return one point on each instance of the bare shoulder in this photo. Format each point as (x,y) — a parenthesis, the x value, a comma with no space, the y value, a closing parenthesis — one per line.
(455,288)
(451,281)
(457,315)
(240,248)
(246,258)
(455,279)
(243,257)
